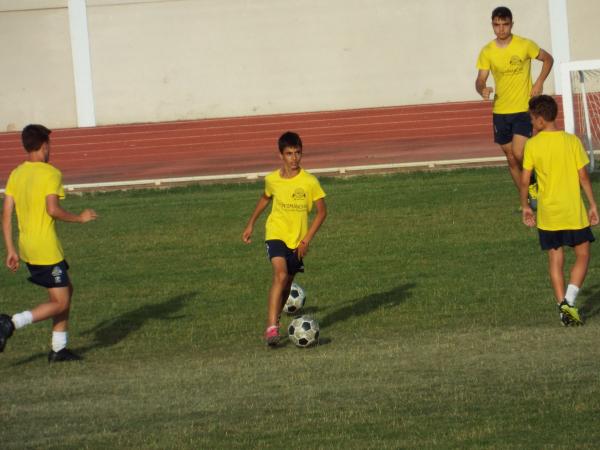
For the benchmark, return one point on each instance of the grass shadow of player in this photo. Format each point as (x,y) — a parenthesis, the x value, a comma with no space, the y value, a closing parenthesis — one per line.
(112,331)
(589,306)
(356,308)
(368,304)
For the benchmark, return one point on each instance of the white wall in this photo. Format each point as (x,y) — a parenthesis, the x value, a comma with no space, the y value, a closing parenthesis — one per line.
(160,60)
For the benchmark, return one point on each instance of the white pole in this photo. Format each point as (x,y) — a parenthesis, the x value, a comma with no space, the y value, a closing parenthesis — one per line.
(559,32)
(82,69)
(586,117)
(567,98)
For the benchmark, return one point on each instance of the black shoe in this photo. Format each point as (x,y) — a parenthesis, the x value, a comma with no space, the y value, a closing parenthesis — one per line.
(565,320)
(63,355)
(6,330)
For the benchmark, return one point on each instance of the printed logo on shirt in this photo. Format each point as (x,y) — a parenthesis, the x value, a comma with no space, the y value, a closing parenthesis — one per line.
(299,194)
(516,65)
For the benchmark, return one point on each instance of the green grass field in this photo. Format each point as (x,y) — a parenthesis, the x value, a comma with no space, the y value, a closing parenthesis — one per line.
(438,327)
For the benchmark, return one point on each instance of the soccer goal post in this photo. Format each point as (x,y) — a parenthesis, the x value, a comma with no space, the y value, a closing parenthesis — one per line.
(581,103)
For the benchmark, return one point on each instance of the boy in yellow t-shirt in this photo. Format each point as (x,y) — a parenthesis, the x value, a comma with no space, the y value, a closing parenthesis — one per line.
(560,163)
(508,58)
(34,189)
(293,192)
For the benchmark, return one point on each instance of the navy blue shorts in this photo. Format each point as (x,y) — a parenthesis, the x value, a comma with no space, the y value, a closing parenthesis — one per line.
(507,125)
(52,276)
(276,247)
(557,239)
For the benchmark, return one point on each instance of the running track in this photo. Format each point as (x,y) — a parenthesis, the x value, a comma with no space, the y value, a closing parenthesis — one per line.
(243,145)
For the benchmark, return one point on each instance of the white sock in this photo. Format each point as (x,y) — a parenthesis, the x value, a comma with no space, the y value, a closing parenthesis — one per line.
(571,294)
(22,319)
(59,340)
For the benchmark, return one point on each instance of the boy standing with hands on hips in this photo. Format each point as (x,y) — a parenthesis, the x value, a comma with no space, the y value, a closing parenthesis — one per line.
(293,192)
(560,161)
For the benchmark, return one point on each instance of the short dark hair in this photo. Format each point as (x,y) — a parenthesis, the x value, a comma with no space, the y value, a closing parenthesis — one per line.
(289,139)
(543,106)
(502,12)
(34,136)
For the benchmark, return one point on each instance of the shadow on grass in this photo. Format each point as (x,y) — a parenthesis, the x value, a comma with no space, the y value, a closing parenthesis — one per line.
(368,304)
(590,306)
(356,308)
(112,331)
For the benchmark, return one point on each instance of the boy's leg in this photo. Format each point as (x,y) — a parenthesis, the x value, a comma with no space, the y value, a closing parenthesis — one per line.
(580,267)
(56,308)
(274,306)
(61,296)
(514,164)
(556,261)
(578,273)
(514,151)
(518,149)
(286,291)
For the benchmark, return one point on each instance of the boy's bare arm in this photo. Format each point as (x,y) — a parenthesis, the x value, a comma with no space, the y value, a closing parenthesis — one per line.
(586,185)
(262,203)
(12,258)
(480,84)
(547,63)
(55,211)
(314,227)
(528,216)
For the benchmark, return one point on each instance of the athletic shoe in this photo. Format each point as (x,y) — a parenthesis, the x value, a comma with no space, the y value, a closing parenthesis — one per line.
(6,330)
(532,194)
(566,322)
(571,312)
(63,355)
(272,335)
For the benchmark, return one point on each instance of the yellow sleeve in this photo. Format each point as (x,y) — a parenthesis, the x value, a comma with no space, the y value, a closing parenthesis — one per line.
(317,191)
(581,156)
(268,187)
(533,50)
(54,185)
(483,62)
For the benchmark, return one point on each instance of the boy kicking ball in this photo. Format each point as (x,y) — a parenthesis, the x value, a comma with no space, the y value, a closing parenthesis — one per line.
(560,162)
(294,192)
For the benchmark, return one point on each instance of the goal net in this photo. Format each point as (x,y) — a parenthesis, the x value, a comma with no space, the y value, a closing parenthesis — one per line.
(581,104)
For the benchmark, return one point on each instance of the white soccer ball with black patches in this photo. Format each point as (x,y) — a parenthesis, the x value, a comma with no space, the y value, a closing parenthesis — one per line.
(304,331)
(295,301)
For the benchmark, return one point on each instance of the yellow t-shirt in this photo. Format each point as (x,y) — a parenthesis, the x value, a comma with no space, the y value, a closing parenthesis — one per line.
(29,184)
(556,157)
(293,199)
(511,68)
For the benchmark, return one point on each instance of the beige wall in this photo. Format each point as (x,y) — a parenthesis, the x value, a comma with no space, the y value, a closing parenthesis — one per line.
(160,60)
(583,29)
(36,80)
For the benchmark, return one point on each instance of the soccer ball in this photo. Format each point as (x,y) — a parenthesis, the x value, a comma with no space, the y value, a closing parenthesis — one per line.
(304,331)
(295,301)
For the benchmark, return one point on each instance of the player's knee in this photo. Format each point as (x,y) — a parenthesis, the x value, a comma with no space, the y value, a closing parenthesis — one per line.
(512,160)
(62,301)
(280,278)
